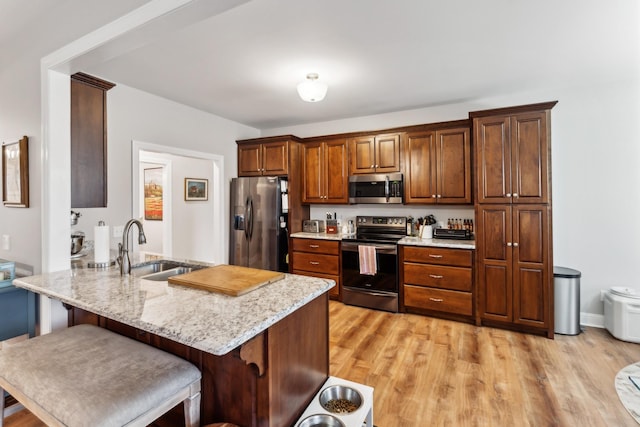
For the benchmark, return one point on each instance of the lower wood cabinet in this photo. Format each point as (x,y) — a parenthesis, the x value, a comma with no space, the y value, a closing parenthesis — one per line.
(514,266)
(317,258)
(437,281)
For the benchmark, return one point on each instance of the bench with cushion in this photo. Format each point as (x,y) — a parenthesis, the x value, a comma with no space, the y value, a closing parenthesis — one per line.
(89,376)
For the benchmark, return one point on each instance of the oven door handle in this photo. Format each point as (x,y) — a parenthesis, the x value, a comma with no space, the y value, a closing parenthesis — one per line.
(382,248)
(370,292)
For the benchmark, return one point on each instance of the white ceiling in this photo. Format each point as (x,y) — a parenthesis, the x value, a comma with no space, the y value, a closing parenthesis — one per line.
(378,55)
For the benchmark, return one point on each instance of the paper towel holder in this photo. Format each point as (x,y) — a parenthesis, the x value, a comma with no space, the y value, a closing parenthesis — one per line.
(98,265)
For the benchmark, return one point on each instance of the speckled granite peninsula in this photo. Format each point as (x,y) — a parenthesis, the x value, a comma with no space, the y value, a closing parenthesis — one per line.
(263,355)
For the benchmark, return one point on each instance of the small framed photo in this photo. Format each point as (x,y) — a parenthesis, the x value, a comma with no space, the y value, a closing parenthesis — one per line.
(196,189)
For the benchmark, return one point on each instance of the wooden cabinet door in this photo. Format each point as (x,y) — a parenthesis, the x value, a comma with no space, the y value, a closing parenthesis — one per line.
(492,138)
(336,174)
(250,160)
(88,141)
(275,158)
(387,153)
(313,173)
(420,163)
(494,246)
(453,154)
(362,155)
(530,157)
(532,275)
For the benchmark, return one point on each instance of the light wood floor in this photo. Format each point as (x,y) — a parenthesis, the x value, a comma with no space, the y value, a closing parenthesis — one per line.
(432,372)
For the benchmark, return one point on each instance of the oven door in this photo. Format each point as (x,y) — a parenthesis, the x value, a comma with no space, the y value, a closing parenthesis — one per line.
(379,291)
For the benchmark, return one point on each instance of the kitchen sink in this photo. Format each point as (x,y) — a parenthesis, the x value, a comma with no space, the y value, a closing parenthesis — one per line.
(162,270)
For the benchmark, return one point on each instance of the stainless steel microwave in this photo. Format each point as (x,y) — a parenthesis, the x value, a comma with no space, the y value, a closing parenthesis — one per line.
(376,188)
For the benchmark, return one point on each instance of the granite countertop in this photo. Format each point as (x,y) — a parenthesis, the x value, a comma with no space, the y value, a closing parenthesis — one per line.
(323,236)
(408,240)
(438,243)
(208,321)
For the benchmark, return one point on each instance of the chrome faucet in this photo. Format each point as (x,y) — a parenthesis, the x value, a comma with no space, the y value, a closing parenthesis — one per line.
(123,248)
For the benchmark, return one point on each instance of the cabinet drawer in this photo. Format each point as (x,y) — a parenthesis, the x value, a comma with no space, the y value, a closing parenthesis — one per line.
(319,263)
(442,256)
(437,276)
(333,292)
(318,246)
(438,299)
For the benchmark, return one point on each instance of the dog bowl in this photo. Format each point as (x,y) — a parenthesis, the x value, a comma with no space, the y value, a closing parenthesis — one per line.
(340,399)
(321,420)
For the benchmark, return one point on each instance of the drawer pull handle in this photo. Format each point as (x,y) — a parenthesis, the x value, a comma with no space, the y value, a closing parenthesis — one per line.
(435,256)
(436,299)
(314,263)
(314,246)
(436,276)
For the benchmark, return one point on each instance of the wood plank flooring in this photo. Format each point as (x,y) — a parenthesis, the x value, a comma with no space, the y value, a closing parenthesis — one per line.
(433,372)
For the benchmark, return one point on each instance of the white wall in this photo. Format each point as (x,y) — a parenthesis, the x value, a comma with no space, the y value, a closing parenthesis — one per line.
(20,104)
(595,175)
(136,115)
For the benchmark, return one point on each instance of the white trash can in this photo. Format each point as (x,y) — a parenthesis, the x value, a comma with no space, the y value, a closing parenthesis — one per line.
(566,283)
(622,313)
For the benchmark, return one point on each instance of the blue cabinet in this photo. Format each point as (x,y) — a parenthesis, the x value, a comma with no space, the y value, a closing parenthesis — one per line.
(17,312)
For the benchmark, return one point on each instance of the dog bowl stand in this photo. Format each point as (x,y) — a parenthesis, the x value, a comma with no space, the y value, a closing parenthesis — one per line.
(363,416)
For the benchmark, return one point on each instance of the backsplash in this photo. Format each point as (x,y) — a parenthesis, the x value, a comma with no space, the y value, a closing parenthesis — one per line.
(347,212)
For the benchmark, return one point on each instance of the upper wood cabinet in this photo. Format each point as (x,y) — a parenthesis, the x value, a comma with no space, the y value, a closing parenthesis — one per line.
(438,166)
(88,141)
(268,159)
(513,157)
(324,171)
(374,154)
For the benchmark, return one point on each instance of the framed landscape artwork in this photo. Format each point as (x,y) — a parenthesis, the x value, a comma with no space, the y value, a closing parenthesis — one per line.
(15,173)
(153,194)
(196,189)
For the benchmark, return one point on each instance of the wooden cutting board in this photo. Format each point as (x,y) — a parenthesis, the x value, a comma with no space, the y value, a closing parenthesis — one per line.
(228,279)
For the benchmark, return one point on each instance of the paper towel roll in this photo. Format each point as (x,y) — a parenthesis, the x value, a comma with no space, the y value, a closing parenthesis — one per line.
(101,244)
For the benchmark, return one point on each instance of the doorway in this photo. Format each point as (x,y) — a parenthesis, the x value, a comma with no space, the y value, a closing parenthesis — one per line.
(191,229)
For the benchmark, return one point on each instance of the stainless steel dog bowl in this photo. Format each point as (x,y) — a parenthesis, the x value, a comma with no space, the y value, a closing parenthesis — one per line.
(321,420)
(340,399)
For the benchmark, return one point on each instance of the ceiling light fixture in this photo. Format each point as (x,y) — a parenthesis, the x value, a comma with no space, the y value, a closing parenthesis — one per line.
(311,90)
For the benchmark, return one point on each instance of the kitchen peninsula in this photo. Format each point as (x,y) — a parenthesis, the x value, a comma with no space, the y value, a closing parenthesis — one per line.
(263,355)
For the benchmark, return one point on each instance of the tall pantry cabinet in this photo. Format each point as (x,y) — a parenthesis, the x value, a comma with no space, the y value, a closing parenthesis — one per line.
(513,215)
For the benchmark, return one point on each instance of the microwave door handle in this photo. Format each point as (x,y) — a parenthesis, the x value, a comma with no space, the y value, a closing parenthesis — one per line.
(386,188)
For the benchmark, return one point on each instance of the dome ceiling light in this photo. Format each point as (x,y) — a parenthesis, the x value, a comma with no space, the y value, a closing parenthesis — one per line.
(312,90)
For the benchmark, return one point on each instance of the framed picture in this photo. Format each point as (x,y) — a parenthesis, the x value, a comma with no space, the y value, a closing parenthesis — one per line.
(15,173)
(196,189)
(153,194)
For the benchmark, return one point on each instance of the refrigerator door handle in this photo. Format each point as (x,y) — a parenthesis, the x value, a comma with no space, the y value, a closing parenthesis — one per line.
(247,215)
(250,216)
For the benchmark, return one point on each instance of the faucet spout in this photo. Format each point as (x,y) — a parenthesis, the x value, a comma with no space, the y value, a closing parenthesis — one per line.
(123,248)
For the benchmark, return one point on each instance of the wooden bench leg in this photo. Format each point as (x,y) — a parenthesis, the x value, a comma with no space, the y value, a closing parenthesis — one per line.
(191,411)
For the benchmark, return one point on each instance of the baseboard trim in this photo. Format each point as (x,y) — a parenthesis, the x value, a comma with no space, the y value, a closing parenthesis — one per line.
(590,319)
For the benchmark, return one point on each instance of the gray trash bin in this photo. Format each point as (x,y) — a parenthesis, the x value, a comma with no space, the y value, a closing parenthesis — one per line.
(566,282)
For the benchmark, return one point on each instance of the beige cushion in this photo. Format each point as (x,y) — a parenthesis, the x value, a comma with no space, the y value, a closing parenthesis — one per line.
(88,376)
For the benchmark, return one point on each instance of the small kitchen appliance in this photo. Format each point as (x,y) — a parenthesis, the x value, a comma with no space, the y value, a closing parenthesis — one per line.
(313,226)
(449,233)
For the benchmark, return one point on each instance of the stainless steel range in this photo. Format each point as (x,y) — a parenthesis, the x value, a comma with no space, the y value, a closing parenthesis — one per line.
(370,263)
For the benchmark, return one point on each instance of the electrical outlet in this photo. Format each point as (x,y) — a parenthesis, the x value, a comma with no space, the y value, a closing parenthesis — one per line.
(6,242)
(118,230)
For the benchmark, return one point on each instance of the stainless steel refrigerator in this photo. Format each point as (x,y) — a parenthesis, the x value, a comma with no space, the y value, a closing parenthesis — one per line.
(259,218)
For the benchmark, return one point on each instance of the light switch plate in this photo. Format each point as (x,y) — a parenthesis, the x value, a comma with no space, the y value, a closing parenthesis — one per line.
(118,230)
